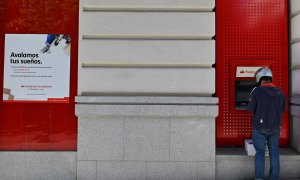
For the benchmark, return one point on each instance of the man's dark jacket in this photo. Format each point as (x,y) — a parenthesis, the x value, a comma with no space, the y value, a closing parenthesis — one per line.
(267,104)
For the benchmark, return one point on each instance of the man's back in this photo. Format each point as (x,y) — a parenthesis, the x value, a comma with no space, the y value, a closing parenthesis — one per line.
(267,103)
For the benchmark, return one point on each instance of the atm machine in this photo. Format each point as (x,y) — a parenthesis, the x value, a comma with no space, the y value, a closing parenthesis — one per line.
(249,34)
(244,83)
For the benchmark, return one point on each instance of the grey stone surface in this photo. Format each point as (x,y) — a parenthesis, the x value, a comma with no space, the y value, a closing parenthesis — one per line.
(295,6)
(86,170)
(192,140)
(206,170)
(148,52)
(147,80)
(140,134)
(295,111)
(290,168)
(114,170)
(149,135)
(146,139)
(172,170)
(100,138)
(147,100)
(37,165)
(162,53)
(295,62)
(295,54)
(240,166)
(134,170)
(158,23)
(295,100)
(295,27)
(295,133)
(147,110)
(234,167)
(151,3)
(109,170)
(295,81)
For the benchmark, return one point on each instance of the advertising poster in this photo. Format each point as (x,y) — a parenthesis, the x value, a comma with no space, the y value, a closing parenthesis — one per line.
(37,68)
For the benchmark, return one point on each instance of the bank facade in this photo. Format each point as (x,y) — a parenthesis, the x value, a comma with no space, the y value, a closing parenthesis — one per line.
(148,90)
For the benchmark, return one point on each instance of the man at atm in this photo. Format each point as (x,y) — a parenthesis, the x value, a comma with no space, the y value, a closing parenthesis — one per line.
(267,103)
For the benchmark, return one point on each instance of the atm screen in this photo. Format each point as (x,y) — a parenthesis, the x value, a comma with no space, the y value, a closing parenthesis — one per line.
(242,92)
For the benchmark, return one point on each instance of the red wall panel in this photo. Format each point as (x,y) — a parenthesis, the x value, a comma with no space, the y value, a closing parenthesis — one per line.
(248,33)
(39,126)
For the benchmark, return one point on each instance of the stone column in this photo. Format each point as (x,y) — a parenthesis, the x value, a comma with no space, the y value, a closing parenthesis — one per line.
(146,137)
(295,73)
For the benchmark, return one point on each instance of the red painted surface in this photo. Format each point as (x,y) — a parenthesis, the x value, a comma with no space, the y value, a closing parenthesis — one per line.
(248,33)
(39,126)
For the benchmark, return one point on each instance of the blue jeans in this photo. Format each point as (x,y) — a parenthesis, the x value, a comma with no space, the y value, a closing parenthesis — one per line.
(259,138)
